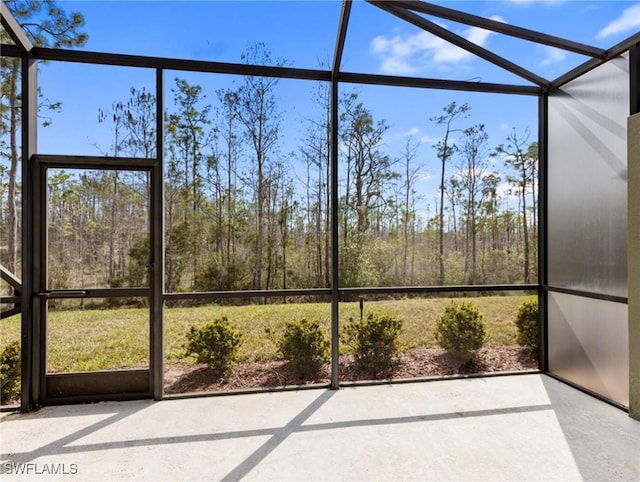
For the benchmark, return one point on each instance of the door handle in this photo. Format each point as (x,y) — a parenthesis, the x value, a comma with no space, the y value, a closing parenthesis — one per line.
(63,293)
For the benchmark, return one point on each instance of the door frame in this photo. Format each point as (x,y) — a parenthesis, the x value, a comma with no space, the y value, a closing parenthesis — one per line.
(105,385)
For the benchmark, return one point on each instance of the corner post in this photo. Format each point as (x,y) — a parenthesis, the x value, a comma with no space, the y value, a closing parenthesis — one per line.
(32,349)
(543,133)
(633,231)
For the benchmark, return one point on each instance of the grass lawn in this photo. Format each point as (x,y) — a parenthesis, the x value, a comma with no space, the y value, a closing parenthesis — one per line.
(82,340)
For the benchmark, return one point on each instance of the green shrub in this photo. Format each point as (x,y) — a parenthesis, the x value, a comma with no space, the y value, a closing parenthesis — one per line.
(10,371)
(527,323)
(304,345)
(374,342)
(460,329)
(215,344)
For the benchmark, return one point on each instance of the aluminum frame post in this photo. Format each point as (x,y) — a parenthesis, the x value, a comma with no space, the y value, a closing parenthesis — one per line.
(156,278)
(543,314)
(32,351)
(335,251)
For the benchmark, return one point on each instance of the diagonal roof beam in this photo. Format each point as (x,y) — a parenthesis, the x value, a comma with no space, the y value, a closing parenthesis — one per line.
(10,278)
(342,35)
(591,64)
(14,29)
(13,311)
(500,27)
(461,42)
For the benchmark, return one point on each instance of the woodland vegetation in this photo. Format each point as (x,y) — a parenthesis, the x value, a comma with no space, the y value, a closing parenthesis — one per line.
(242,214)
(242,210)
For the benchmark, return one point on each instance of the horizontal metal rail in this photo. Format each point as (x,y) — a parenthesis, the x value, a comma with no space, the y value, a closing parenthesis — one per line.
(436,378)
(246,391)
(212,295)
(95,162)
(205,295)
(346,77)
(424,83)
(10,299)
(165,63)
(10,50)
(243,294)
(587,294)
(96,293)
(440,289)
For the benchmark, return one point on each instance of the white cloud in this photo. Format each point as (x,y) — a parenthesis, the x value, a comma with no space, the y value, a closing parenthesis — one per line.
(397,66)
(553,55)
(628,20)
(412,132)
(504,126)
(408,54)
(429,140)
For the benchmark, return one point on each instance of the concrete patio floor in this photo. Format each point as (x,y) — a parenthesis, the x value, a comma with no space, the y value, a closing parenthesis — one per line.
(526,427)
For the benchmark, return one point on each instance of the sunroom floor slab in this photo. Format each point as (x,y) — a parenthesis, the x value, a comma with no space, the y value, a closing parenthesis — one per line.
(522,427)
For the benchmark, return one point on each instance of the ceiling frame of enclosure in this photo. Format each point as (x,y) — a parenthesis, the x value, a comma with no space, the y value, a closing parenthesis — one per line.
(403,9)
(33,293)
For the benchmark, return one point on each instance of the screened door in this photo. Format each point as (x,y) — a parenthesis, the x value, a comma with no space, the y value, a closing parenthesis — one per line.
(96,271)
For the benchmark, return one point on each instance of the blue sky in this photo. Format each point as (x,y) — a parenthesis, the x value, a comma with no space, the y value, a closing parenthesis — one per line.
(303,33)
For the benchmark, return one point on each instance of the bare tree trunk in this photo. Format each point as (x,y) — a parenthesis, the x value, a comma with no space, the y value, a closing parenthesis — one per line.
(319,236)
(474,235)
(285,234)
(525,234)
(112,231)
(328,211)
(445,151)
(259,225)
(230,217)
(413,250)
(12,214)
(441,218)
(346,200)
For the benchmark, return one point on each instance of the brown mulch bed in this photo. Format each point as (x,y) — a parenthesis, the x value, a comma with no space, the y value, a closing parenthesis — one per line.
(417,362)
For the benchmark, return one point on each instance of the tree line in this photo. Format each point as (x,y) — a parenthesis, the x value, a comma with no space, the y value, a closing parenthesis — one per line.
(240,213)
